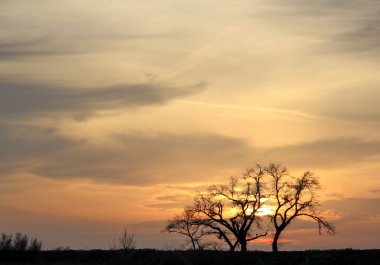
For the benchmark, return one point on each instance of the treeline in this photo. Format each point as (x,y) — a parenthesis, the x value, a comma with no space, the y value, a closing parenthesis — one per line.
(156,257)
(19,242)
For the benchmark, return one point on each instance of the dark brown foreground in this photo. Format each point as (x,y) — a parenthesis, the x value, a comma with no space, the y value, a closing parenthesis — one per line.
(157,257)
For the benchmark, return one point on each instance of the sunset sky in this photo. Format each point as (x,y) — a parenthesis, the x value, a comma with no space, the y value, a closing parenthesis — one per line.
(114,113)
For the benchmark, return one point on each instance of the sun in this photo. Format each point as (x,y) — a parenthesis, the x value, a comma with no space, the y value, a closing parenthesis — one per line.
(265,210)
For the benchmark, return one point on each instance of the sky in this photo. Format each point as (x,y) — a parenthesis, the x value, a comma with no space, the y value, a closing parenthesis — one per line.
(115,113)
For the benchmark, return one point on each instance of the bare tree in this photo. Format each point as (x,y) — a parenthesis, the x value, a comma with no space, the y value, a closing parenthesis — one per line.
(187,224)
(230,211)
(127,240)
(294,197)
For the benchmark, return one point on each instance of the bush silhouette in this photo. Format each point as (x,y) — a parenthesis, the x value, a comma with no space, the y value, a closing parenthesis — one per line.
(19,242)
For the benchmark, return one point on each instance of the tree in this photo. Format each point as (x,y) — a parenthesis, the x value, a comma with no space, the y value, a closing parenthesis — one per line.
(187,224)
(232,212)
(294,197)
(229,211)
(127,240)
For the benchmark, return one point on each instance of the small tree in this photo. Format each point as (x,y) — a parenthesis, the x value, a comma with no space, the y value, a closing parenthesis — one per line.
(294,197)
(127,240)
(187,224)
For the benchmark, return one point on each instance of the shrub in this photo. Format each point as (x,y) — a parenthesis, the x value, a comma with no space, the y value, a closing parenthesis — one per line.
(5,242)
(19,242)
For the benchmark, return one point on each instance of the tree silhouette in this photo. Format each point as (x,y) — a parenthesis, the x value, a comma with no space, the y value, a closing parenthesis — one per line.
(233,212)
(6,242)
(127,240)
(19,242)
(187,224)
(35,245)
(294,197)
(229,211)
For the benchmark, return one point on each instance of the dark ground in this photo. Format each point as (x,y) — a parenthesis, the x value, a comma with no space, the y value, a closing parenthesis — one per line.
(157,257)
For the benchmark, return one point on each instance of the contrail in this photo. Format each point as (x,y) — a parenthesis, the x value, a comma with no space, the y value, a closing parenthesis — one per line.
(256,108)
(203,54)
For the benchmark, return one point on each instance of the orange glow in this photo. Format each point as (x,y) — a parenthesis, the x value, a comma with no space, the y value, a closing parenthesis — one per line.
(264,211)
(182,96)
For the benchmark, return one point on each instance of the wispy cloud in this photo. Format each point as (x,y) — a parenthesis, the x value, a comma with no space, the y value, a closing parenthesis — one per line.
(340,26)
(325,153)
(35,47)
(357,103)
(30,99)
(170,159)
(134,160)
(286,112)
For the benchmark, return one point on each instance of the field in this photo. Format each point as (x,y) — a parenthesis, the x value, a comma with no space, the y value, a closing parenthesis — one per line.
(158,257)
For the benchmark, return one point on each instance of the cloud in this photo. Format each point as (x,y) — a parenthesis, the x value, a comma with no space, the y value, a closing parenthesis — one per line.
(52,45)
(31,99)
(37,46)
(21,144)
(146,160)
(358,104)
(171,201)
(340,212)
(341,26)
(364,38)
(171,198)
(355,103)
(324,153)
(134,159)
(356,221)
(354,209)
(169,159)
(375,190)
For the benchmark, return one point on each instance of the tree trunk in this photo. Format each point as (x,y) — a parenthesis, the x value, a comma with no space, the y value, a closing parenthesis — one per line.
(243,246)
(193,243)
(275,241)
